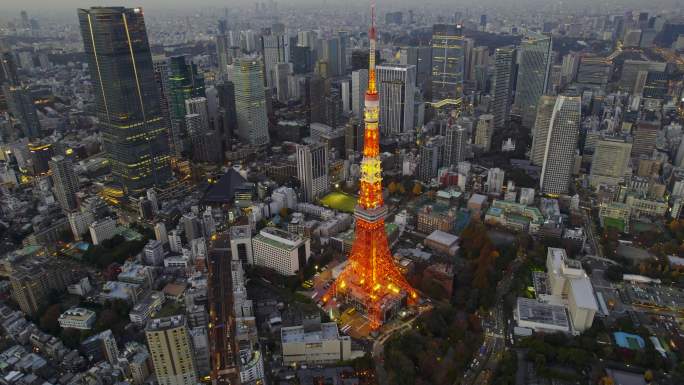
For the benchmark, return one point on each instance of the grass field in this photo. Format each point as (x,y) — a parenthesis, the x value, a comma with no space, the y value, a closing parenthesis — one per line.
(339,201)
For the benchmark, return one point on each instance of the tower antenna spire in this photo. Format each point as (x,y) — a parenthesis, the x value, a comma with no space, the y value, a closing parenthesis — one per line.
(371,54)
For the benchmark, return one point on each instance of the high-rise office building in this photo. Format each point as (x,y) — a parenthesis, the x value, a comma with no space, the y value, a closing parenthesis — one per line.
(610,161)
(479,57)
(561,143)
(65,182)
(358,90)
(127,98)
(275,49)
(645,136)
(312,170)
(421,57)
(171,349)
(160,66)
(541,128)
(250,101)
(484,132)
(455,144)
(448,65)
(502,89)
(197,106)
(20,105)
(227,113)
(533,75)
(282,72)
(594,69)
(396,89)
(16,97)
(185,83)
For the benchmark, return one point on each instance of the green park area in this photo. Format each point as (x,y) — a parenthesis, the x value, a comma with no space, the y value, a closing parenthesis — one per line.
(339,201)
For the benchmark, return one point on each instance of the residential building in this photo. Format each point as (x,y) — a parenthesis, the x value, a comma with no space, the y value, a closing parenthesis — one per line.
(502,89)
(540,131)
(65,182)
(102,230)
(561,144)
(172,352)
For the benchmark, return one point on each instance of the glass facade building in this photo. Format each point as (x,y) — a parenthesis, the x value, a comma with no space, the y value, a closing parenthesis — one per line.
(128,109)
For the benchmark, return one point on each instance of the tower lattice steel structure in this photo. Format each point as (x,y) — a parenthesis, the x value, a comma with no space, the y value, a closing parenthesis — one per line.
(371,280)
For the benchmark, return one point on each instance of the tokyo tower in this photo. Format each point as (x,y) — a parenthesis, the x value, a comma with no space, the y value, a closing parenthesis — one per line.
(371,281)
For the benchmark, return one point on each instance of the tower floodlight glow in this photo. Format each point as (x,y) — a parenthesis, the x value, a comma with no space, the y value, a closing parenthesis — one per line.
(371,280)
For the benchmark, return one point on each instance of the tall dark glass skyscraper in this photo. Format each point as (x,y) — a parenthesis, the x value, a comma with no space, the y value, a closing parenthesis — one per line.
(128,108)
(16,97)
(448,64)
(184,83)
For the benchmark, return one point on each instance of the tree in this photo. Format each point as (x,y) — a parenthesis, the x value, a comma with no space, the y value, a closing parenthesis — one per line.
(392,188)
(49,320)
(417,189)
(648,376)
(614,273)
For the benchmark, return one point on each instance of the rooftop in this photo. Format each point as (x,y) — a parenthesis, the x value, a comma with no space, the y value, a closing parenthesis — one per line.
(279,238)
(159,324)
(442,237)
(296,334)
(583,292)
(531,310)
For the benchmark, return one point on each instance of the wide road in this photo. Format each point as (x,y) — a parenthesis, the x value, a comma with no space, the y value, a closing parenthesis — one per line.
(494,330)
(224,368)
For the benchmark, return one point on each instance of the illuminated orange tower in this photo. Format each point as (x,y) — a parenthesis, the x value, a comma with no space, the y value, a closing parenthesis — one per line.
(371,279)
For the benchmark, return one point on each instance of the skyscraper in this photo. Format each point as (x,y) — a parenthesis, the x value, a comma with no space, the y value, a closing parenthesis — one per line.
(128,110)
(185,83)
(250,100)
(561,142)
(541,128)
(171,349)
(533,75)
(396,89)
(160,65)
(479,58)
(421,57)
(16,97)
(455,146)
(448,64)
(312,170)
(502,89)
(431,158)
(275,49)
(282,72)
(359,86)
(65,182)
